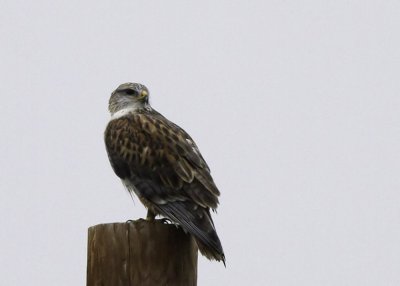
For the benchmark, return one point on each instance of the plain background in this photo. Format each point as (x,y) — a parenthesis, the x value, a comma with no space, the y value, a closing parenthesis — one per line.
(294,104)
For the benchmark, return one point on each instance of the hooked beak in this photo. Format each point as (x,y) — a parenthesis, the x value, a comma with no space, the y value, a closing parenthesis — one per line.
(143,94)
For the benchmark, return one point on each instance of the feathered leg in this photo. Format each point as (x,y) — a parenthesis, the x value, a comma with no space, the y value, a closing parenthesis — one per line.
(150,215)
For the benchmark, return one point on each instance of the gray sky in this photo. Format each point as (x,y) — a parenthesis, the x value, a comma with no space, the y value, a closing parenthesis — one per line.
(294,104)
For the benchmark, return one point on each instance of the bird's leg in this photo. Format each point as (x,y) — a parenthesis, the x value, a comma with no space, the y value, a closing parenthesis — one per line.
(150,215)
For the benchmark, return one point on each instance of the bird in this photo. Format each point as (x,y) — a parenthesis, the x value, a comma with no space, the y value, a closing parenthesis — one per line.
(161,164)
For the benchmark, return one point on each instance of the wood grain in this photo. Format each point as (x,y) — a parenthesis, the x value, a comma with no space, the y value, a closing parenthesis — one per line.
(140,253)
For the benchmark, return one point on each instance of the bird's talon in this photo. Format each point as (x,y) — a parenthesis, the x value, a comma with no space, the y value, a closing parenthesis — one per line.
(166,220)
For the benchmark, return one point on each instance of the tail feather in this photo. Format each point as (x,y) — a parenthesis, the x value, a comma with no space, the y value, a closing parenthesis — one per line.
(197,221)
(211,255)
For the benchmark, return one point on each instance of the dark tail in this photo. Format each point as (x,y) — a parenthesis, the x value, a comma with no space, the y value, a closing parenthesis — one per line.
(198,222)
(211,253)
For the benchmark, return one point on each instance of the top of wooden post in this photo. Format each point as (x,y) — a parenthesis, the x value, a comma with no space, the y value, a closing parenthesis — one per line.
(140,253)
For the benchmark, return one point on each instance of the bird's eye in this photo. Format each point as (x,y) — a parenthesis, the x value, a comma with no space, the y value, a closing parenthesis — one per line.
(130,92)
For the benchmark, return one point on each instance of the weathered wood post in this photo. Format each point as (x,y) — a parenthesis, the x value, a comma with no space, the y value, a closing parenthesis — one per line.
(140,253)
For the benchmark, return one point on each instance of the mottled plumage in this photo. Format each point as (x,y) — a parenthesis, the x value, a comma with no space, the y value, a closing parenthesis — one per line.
(159,162)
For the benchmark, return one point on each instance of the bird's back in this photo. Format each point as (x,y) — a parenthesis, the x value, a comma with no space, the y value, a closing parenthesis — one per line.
(159,161)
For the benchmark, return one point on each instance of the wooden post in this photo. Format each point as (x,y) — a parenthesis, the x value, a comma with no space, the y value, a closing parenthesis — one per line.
(140,253)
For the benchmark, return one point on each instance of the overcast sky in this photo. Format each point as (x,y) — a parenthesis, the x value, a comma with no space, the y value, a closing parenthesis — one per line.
(295,105)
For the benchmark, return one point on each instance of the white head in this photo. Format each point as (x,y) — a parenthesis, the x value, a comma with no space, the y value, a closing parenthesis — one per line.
(129,96)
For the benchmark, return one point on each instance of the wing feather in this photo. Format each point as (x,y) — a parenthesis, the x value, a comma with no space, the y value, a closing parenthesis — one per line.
(198,222)
(151,147)
(188,153)
(160,162)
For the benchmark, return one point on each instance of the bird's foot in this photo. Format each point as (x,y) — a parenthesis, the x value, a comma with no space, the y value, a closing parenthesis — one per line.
(166,220)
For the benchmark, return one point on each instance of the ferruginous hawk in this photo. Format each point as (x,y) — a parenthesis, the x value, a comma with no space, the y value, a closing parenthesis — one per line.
(159,162)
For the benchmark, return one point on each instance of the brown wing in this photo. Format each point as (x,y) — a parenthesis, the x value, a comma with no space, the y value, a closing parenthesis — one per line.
(166,168)
(151,148)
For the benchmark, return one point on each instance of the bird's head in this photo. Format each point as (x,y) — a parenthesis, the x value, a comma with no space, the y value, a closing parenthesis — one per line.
(129,96)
